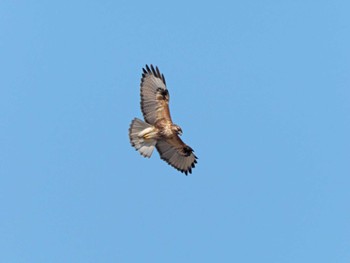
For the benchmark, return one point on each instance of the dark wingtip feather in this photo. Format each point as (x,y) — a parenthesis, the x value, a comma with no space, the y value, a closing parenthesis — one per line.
(158,73)
(153,71)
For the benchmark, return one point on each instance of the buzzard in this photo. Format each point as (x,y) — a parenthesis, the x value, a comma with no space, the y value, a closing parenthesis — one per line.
(158,130)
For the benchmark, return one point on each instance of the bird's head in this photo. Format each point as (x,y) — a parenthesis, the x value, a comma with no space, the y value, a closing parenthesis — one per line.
(177,129)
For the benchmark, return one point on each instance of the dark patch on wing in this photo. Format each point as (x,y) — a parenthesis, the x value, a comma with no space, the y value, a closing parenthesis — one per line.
(163,92)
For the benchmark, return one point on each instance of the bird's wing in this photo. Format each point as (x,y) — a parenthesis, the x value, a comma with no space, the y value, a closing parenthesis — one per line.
(154,95)
(177,154)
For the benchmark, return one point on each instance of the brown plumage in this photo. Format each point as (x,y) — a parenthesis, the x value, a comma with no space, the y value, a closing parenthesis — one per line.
(158,131)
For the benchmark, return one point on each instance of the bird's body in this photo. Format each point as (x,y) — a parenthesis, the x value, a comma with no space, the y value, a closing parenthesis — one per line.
(158,130)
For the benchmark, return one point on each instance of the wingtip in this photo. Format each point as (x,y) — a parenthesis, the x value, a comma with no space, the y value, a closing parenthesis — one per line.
(150,69)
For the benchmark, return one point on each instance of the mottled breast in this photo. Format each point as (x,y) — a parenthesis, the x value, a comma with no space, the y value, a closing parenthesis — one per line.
(165,128)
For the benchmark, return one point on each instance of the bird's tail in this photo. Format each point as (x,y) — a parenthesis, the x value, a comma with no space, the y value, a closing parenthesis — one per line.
(143,137)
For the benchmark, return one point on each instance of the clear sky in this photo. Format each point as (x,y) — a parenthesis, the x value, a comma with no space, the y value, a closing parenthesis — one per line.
(261,90)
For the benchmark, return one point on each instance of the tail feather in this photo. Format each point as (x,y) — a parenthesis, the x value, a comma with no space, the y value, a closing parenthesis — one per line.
(137,131)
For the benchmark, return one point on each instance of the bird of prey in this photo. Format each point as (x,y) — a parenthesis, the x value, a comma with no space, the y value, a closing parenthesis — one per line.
(158,130)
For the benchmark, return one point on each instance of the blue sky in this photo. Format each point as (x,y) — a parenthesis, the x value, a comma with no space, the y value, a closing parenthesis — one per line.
(260,89)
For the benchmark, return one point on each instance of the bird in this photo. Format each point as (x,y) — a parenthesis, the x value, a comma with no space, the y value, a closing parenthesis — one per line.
(158,130)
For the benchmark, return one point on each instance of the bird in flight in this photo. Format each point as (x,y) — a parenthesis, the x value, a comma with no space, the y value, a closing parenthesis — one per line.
(158,130)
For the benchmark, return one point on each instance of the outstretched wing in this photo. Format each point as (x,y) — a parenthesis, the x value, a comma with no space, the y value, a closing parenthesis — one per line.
(154,95)
(177,154)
